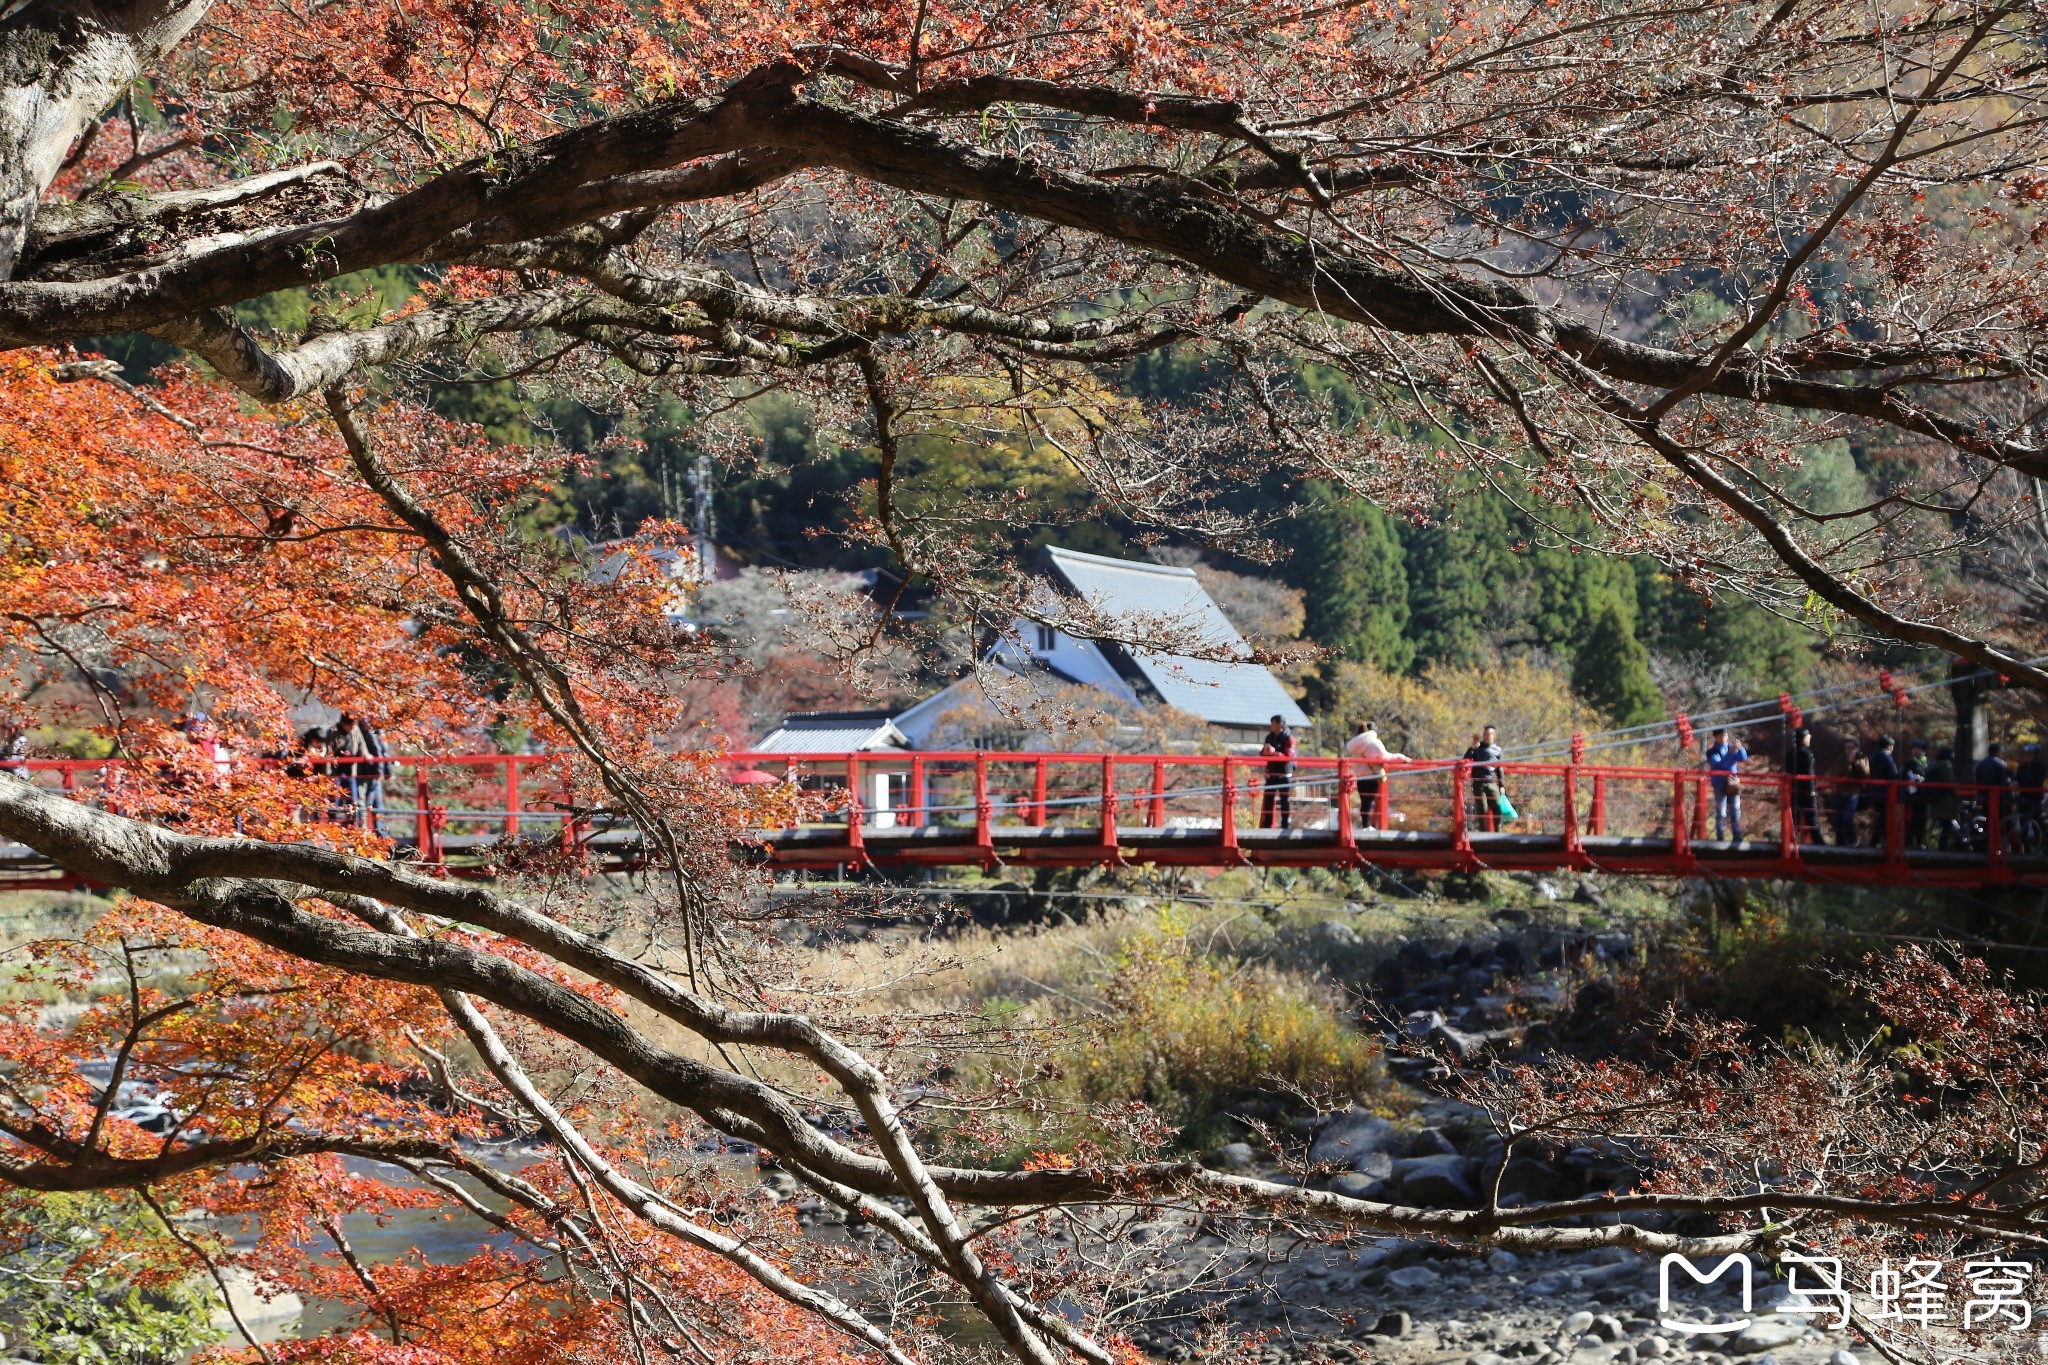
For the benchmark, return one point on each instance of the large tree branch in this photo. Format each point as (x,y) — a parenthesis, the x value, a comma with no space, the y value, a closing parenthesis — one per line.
(761,130)
(557,183)
(61,63)
(1822,582)
(117,229)
(1228,244)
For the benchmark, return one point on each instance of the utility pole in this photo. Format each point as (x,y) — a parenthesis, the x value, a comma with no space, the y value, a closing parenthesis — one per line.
(702,519)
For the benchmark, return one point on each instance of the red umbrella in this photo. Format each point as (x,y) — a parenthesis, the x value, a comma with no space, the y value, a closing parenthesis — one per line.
(750,777)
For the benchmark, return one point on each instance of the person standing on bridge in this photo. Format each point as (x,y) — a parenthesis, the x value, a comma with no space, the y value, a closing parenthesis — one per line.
(2031,778)
(1993,794)
(1724,760)
(1915,774)
(1278,751)
(1800,764)
(1993,771)
(1884,770)
(1368,747)
(1849,796)
(14,750)
(1944,801)
(1487,786)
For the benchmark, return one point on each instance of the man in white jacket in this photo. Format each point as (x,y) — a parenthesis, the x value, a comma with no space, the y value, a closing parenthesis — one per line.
(1368,746)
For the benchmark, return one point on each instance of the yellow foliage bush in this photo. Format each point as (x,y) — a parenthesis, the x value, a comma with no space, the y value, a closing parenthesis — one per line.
(1436,715)
(1189,1032)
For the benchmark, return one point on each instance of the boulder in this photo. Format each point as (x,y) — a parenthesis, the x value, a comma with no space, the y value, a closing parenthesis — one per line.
(1414,962)
(1414,1277)
(1421,1023)
(1548,1286)
(1768,1334)
(1353,1185)
(1432,1142)
(1231,1156)
(1346,1137)
(1503,1263)
(1619,1272)
(1653,1348)
(1336,935)
(1394,1324)
(1536,1179)
(1578,1324)
(1439,1180)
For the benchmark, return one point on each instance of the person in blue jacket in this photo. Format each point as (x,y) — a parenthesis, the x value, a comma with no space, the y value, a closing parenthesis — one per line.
(1724,760)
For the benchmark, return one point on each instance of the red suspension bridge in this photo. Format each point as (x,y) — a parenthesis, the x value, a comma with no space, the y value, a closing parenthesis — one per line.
(464,815)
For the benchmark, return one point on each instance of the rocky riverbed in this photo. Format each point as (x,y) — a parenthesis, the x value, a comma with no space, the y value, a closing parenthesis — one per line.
(1402,1301)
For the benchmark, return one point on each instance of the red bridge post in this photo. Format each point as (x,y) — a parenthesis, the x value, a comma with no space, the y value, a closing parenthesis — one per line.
(1681,844)
(1994,829)
(1038,794)
(856,838)
(1111,854)
(1157,819)
(423,828)
(1347,835)
(983,839)
(917,816)
(1598,819)
(511,797)
(1788,829)
(1229,833)
(1461,833)
(1574,850)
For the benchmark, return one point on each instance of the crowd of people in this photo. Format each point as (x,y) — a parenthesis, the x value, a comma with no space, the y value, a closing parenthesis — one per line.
(1941,806)
(1489,805)
(352,755)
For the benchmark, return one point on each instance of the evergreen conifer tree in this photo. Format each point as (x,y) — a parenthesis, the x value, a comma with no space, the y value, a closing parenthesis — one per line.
(1461,582)
(1612,670)
(1349,565)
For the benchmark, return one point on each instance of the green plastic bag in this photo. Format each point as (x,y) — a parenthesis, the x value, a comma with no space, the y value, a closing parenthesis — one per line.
(1505,808)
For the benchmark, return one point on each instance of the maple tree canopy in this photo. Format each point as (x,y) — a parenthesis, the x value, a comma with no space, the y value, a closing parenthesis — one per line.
(1639,261)
(1646,257)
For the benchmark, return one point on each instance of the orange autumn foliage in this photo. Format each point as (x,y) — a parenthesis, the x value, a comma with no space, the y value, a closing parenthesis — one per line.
(168,550)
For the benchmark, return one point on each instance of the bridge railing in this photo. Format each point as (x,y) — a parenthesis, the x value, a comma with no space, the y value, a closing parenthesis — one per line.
(1678,808)
(429,801)
(445,803)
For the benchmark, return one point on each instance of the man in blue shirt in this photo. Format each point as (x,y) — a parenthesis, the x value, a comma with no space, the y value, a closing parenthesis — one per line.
(1724,761)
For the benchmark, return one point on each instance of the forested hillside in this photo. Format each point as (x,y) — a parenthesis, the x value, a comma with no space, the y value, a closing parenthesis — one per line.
(1452,581)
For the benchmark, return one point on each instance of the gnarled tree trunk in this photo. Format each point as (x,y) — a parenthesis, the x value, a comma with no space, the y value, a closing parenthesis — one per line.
(61,65)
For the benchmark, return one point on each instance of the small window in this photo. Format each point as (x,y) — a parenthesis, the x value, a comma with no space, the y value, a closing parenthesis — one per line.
(1046,637)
